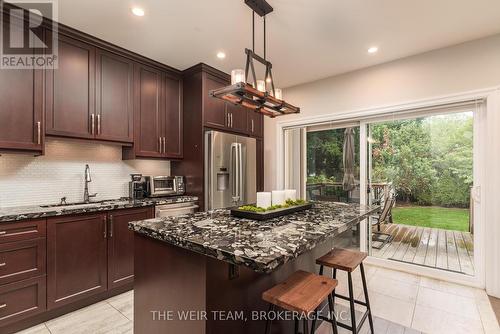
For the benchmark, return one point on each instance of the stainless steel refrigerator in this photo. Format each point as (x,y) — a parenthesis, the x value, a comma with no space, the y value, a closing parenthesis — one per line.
(230,170)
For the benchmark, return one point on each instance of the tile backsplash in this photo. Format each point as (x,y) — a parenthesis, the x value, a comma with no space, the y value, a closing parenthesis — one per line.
(28,180)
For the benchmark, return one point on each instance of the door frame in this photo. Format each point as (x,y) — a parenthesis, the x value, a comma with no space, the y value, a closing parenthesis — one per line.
(491,98)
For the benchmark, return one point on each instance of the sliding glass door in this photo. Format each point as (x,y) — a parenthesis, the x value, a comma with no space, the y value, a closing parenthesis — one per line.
(420,170)
(419,166)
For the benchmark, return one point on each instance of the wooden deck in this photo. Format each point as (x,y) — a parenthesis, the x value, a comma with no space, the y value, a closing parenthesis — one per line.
(430,247)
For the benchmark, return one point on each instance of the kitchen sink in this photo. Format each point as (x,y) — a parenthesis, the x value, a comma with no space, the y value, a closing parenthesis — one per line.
(76,204)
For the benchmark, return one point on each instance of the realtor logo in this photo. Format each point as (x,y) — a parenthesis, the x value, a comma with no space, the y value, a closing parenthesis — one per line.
(28,32)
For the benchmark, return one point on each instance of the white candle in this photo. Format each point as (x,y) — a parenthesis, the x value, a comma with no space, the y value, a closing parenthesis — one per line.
(279,94)
(278,197)
(237,76)
(291,194)
(261,85)
(263,199)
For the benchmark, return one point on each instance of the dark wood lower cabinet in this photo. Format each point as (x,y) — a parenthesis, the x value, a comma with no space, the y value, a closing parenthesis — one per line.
(121,245)
(21,300)
(76,258)
(22,260)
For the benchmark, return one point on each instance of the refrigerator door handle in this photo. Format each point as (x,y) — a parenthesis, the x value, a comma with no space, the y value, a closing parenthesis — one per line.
(234,172)
(240,172)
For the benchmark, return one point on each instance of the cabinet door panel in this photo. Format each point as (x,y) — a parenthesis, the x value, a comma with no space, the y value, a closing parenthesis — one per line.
(21,106)
(238,118)
(214,110)
(21,260)
(76,258)
(70,90)
(121,245)
(255,124)
(114,95)
(148,110)
(173,117)
(22,299)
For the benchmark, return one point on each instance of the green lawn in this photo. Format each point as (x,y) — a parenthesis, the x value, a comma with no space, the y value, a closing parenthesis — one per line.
(425,216)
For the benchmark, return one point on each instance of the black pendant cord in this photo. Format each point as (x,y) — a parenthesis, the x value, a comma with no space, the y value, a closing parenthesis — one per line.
(265,39)
(253,31)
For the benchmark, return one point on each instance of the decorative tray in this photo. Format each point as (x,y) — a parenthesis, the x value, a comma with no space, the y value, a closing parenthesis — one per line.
(269,214)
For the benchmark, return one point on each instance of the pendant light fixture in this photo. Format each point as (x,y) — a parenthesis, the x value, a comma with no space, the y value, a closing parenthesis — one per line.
(258,95)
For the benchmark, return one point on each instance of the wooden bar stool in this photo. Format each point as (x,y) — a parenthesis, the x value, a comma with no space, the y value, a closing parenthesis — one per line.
(302,292)
(348,260)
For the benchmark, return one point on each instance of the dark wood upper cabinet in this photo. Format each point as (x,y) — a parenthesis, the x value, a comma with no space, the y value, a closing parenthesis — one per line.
(173,117)
(121,245)
(255,124)
(70,109)
(148,111)
(21,98)
(114,97)
(237,115)
(214,110)
(76,258)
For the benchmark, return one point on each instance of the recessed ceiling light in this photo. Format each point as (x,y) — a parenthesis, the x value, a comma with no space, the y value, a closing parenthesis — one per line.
(373,49)
(138,11)
(221,55)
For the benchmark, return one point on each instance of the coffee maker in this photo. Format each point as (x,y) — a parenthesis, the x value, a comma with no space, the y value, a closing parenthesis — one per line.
(137,187)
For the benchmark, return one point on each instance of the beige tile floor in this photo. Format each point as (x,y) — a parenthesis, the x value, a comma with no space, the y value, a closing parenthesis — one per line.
(402,304)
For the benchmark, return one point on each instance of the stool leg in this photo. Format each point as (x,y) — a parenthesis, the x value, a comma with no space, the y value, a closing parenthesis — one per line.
(351,303)
(306,325)
(332,314)
(269,322)
(313,326)
(334,276)
(365,289)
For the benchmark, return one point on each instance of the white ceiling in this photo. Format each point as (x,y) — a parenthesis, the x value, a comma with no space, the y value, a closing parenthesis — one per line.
(307,39)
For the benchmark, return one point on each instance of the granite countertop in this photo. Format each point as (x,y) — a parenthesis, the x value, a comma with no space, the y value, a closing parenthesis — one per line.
(13,214)
(261,246)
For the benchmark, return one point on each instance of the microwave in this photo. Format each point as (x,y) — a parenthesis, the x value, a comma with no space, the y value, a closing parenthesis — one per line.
(158,186)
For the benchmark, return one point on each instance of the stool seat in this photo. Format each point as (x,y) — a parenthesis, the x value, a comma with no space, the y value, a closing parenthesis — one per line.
(301,292)
(342,259)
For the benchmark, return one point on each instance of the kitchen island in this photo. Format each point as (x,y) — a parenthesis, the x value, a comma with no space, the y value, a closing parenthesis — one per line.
(216,266)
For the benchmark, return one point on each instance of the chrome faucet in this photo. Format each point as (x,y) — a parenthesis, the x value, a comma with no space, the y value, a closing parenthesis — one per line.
(88,179)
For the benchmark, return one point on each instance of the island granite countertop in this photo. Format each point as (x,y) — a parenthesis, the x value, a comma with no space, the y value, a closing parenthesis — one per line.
(13,214)
(261,246)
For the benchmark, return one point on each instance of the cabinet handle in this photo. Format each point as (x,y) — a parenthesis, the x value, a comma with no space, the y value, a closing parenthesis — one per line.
(105,233)
(164,145)
(3,306)
(227,120)
(110,226)
(3,264)
(252,126)
(231,118)
(3,232)
(92,126)
(159,140)
(39,132)
(98,124)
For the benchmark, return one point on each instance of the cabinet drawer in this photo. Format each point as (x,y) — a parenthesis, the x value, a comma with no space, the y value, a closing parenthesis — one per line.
(22,299)
(25,230)
(21,260)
